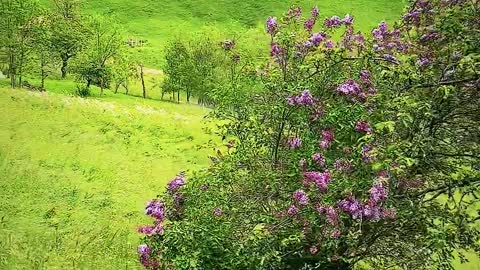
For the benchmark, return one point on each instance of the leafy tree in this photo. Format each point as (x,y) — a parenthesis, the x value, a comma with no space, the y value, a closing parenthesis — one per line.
(104,44)
(16,23)
(124,69)
(362,150)
(68,31)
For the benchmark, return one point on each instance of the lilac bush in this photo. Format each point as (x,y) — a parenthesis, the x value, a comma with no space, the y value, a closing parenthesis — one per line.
(348,152)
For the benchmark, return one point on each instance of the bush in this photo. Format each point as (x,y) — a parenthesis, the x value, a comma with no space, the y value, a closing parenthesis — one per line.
(82,91)
(360,150)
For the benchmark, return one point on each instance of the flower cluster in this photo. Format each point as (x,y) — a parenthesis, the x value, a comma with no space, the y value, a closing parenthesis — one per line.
(145,253)
(333,22)
(319,159)
(372,210)
(388,42)
(294,143)
(318,38)
(218,212)
(305,99)
(155,209)
(343,166)
(321,180)
(176,183)
(315,12)
(278,53)
(327,139)
(272,26)
(309,24)
(300,197)
(363,127)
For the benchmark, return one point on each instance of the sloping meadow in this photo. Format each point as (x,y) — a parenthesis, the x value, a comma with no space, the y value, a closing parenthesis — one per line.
(75,175)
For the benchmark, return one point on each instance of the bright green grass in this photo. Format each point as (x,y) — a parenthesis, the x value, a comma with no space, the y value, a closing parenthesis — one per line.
(76,173)
(159,21)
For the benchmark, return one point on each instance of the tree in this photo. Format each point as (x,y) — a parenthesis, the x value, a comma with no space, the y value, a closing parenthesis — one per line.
(363,150)
(16,22)
(42,44)
(68,31)
(124,69)
(104,44)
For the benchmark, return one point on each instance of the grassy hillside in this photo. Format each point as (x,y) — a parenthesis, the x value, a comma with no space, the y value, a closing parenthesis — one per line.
(159,21)
(76,174)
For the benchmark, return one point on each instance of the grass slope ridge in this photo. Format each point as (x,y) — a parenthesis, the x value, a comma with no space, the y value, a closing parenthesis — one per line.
(76,173)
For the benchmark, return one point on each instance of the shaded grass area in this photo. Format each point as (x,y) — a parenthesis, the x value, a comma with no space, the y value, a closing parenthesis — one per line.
(76,173)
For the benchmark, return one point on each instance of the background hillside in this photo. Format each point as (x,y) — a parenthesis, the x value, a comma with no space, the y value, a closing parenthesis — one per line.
(160,21)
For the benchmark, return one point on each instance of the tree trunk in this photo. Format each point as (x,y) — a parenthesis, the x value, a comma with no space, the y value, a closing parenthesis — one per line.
(43,73)
(188,96)
(143,83)
(12,71)
(64,66)
(178,96)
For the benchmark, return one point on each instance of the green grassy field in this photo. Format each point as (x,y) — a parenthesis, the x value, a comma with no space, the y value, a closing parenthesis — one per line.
(76,174)
(160,21)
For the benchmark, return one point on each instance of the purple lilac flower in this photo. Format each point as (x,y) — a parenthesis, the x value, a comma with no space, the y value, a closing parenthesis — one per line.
(348,20)
(176,183)
(322,180)
(413,17)
(327,139)
(333,22)
(336,233)
(319,159)
(217,212)
(328,135)
(318,38)
(372,212)
(293,211)
(145,252)
(423,62)
(272,26)
(152,230)
(378,194)
(349,88)
(360,39)
(330,213)
(363,127)
(366,77)
(343,166)
(156,209)
(352,207)
(329,44)
(309,24)
(390,58)
(301,197)
(305,99)
(315,12)
(276,50)
(295,143)
(313,250)
(429,37)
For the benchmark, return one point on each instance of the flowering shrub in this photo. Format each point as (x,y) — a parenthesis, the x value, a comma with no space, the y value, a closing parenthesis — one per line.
(346,152)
